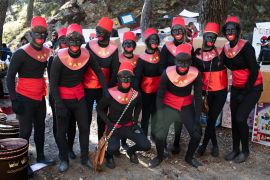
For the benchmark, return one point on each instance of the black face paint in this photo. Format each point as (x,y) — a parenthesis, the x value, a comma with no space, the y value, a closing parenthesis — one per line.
(62,41)
(39,35)
(124,80)
(74,42)
(209,40)
(178,33)
(232,33)
(103,36)
(129,46)
(182,62)
(152,43)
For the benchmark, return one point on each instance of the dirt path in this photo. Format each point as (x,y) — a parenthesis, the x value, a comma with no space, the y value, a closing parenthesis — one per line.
(174,167)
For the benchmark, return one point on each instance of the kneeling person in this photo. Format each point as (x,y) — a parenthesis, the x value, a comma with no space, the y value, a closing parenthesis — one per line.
(116,101)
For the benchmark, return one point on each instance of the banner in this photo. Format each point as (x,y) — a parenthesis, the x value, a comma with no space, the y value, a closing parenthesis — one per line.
(257,34)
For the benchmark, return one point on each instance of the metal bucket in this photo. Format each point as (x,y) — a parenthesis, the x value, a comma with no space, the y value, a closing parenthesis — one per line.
(13,159)
(9,129)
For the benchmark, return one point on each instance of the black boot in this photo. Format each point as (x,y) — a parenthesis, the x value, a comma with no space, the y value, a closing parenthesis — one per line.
(71,154)
(241,157)
(63,166)
(193,162)
(85,160)
(110,162)
(201,150)
(230,156)
(133,157)
(124,144)
(155,162)
(42,159)
(215,151)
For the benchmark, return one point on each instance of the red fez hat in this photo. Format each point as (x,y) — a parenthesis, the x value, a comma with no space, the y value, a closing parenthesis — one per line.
(232,19)
(62,32)
(178,21)
(38,21)
(126,66)
(148,32)
(129,36)
(74,28)
(212,27)
(184,48)
(105,23)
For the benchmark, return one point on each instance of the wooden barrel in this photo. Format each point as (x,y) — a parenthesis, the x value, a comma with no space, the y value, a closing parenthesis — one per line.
(9,129)
(13,159)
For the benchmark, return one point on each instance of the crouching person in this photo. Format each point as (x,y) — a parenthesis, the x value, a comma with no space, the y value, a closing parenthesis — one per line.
(123,103)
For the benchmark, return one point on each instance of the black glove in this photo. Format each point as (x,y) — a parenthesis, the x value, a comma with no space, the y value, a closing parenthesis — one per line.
(18,106)
(240,98)
(60,110)
(137,129)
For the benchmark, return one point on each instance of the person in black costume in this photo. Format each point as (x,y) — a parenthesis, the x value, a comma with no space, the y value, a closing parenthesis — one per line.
(66,77)
(247,86)
(175,103)
(215,83)
(28,97)
(106,55)
(72,122)
(128,127)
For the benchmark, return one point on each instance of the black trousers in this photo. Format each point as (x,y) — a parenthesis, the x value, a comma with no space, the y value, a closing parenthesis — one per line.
(216,101)
(71,133)
(166,116)
(141,142)
(79,109)
(92,95)
(34,114)
(240,112)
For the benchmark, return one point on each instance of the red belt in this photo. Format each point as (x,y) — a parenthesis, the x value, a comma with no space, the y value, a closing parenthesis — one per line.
(130,123)
(150,84)
(33,88)
(91,80)
(240,77)
(76,92)
(177,102)
(218,80)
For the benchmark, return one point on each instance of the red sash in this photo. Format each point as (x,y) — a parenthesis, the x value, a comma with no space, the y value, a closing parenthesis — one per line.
(41,55)
(218,80)
(182,81)
(100,51)
(122,98)
(232,52)
(130,123)
(91,81)
(240,77)
(151,58)
(150,84)
(73,63)
(75,92)
(177,102)
(33,88)
(133,60)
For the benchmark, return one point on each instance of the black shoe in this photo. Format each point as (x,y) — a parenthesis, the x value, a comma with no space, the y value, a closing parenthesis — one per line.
(85,162)
(176,149)
(230,156)
(241,157)
(201,150)
(110,163)
(133,157)
(72,155)
(63,166)
(48,162)
(125,146)
(193,162)
(215,151)
(30,172)
(154,162)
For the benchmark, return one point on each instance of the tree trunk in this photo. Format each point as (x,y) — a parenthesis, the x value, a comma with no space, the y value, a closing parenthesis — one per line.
(3,11)
(146,15)
(213,11)
(29,16)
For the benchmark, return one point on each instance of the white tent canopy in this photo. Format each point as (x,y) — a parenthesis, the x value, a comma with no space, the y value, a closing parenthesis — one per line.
(189,14)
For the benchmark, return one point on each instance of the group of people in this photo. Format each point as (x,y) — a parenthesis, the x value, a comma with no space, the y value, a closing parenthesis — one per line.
(165,86)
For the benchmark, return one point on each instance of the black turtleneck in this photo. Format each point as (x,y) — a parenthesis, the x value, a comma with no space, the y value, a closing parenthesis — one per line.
(116,109)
